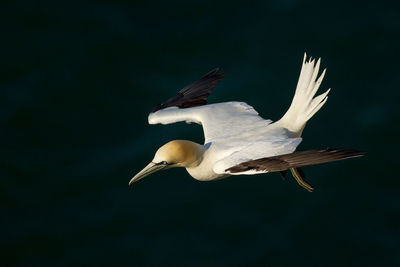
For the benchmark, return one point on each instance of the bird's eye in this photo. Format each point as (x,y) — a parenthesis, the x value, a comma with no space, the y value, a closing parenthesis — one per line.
(162,163)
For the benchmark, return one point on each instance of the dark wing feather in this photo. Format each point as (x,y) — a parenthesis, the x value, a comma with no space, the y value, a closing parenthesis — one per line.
(295,160)
(194,94)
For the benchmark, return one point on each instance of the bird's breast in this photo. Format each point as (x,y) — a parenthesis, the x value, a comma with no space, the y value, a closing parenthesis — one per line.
(204,171)
(204,174)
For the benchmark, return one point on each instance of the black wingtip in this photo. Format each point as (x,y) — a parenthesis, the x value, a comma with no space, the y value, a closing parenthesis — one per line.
(347,152)
(195,94)
(213,74)
(296,160)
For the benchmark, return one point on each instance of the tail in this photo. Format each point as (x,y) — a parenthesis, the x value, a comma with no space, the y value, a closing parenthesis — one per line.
(304,104)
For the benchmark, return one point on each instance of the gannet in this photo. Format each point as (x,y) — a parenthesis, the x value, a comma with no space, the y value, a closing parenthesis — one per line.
(236,139)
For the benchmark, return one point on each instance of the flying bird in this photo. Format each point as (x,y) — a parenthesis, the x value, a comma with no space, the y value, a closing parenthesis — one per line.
(236,139)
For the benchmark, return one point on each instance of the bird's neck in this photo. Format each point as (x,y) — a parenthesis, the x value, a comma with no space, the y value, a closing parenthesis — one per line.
(202,167)
(193,154)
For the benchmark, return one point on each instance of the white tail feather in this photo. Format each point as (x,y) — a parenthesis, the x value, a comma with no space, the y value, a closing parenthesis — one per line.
(304,104)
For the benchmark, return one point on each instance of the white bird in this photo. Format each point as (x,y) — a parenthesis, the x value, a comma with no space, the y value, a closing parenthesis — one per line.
(237,140)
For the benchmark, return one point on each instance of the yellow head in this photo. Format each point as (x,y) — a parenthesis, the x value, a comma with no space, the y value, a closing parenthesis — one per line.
(177,153)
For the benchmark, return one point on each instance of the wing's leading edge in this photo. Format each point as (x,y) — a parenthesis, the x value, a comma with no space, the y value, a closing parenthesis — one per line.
(221,122)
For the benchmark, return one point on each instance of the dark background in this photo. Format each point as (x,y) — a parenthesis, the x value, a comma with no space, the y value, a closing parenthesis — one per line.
(78,81)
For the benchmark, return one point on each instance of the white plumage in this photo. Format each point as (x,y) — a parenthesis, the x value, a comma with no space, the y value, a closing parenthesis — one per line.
(236,139)
(235,133)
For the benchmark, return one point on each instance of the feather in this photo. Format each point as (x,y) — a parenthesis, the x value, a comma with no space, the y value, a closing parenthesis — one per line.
(295,160)
(195,94)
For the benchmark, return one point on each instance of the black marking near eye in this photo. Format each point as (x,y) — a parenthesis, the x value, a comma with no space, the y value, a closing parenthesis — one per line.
(163,163)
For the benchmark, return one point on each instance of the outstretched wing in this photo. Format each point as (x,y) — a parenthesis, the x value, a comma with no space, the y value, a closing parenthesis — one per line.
(194,94)
(273,143)
(236,130)
(222,122)
(293,160)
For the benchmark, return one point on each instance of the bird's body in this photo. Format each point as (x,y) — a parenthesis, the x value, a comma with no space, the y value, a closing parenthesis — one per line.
(234,133)
(236,136)
(204,170)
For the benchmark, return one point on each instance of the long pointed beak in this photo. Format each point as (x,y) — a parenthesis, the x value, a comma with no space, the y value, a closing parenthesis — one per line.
(149,169)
